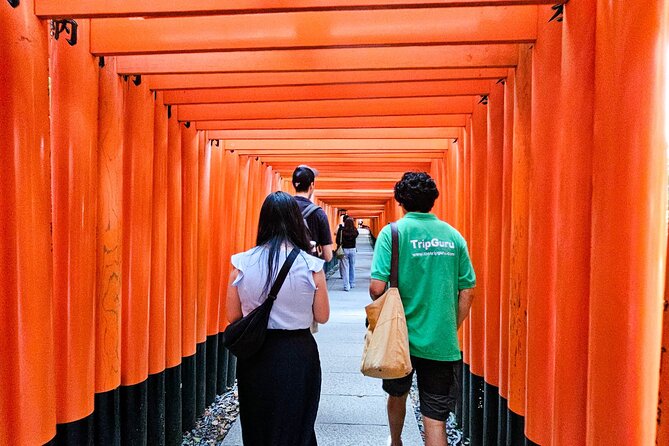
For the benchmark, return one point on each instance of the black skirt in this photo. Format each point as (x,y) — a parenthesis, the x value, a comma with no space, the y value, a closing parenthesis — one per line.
(279,390)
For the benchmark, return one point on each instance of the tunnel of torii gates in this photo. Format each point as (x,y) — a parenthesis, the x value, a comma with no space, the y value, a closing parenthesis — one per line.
(139,139)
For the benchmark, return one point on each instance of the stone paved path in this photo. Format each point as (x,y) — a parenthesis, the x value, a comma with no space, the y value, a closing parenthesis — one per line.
(352,409)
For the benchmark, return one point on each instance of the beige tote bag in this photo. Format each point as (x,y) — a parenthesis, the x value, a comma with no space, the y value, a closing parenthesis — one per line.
(386,352)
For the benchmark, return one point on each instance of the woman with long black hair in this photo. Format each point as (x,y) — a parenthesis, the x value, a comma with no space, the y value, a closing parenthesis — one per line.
(279,387)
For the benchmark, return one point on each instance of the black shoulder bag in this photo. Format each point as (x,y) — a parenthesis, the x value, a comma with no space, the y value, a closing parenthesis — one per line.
(245,337)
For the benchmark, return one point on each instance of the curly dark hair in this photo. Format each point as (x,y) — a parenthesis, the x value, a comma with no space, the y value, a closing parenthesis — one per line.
(416,191)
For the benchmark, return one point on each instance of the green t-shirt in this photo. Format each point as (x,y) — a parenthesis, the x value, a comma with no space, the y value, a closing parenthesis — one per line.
(434,266)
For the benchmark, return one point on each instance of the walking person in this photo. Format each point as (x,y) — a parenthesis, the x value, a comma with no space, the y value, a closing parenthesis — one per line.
(279,387)
(346,238)
(318,225)
(436,278)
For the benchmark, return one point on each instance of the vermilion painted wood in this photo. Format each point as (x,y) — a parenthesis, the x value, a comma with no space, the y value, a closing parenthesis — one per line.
(356,147)
(399,121)
(663,400)
(229,222)
(519,233)
(494,200)
(322,29)
(242,191)
(505,285)
(203,233)
(109,231)
(543,237)
(189,285)
(158,284)
(74,141)
(478,243)
(327,134)
(575,204)
(320,78)
(381,58)
(628,222)
(160,8)
(28,392)
(216,205)
(466,228)
(137,225)
(323,92)
(174,250)
(341,108)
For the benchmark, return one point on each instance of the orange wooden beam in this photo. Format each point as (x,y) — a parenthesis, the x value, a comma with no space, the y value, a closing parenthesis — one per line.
(337,108)
(286,168)
(382,58)
(301,78)
(355,146)
(163,8)
(399,121)
(356,185)
(388,133)
(321,92)
(321,29)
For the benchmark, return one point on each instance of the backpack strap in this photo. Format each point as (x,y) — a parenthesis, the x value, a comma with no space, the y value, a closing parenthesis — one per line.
(394,256)
(281,277)
(307,211)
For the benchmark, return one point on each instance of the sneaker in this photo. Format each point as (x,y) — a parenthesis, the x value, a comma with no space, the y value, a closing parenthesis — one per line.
(347,289)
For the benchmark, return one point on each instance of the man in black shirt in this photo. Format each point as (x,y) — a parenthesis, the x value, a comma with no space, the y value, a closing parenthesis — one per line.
(319,226)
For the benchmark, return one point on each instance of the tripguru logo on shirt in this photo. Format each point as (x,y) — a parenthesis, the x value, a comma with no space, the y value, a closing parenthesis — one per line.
(433,247)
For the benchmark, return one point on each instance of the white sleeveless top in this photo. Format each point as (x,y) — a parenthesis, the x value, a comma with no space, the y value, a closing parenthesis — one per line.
(293,308)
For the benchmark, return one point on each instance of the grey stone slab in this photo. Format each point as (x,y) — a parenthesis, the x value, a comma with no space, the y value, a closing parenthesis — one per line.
(352,384)
(343,434)
(338,409)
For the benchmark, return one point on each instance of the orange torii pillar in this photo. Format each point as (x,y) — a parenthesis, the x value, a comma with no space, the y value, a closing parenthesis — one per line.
(137,225)
(216,215)
(109,256)
(663,400)
(574,208)
(74,120)
(628,222)
(157,307)
(495,170)
(505,277)
(465,229)
(203,236)
(542,243)
(173,338)
(519,239)
(478,252)
(189,230)
(27,395)
(229,208)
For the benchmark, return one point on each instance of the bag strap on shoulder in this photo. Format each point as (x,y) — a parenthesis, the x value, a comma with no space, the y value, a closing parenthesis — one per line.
(307,211)
(283,273)
(395,255)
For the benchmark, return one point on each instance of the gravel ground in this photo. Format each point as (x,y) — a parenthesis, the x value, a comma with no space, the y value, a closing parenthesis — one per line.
(211,429)
(455,437)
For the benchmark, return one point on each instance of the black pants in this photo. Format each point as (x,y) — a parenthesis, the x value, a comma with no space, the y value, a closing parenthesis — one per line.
(279,390)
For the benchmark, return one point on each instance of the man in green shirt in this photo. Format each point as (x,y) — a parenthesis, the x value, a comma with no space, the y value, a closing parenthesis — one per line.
(436,278)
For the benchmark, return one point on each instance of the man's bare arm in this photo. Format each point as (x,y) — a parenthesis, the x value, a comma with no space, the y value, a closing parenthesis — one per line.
(465,298)
(327,252)
(376,288)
